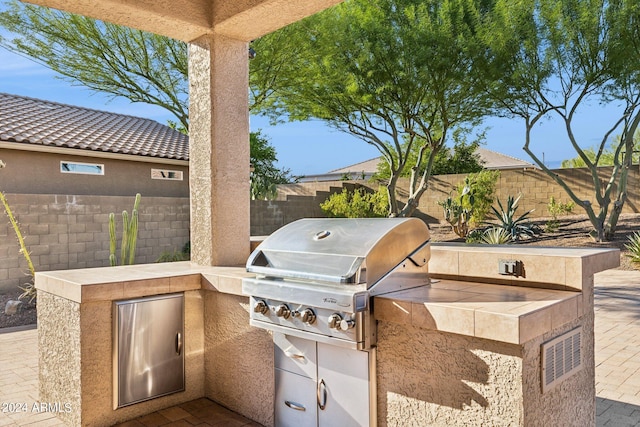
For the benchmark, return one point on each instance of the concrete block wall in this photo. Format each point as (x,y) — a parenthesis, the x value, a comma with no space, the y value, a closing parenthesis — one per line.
(294,201)
(66,232)
(535,186)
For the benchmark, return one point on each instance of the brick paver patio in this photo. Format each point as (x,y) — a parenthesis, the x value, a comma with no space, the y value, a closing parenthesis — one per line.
(617,354)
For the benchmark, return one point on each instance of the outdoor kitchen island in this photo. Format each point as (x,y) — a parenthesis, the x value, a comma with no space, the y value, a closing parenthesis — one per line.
(466,350)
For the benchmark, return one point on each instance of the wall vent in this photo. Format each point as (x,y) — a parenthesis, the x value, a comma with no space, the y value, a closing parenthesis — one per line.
(561,358)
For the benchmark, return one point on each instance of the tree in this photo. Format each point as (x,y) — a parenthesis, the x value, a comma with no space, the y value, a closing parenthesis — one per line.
(133,64)
(394,73)
(461,158)
(557,56)
(264,175)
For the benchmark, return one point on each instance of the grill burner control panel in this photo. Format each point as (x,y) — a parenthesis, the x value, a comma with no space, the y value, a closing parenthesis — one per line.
(315,320)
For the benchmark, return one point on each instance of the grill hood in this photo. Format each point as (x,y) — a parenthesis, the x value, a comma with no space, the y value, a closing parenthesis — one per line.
(338,250)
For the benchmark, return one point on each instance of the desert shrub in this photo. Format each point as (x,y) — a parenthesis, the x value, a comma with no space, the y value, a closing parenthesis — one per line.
(556,209)
(483,185)
(471,203)
(358,203)
(177,255)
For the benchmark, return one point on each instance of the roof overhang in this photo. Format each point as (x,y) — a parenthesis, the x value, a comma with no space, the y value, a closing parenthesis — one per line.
(188,20)
(89,153)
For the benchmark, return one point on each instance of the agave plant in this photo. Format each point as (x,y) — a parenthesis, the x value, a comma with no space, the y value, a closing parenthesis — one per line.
(495,236)
(517,228)
(633,246)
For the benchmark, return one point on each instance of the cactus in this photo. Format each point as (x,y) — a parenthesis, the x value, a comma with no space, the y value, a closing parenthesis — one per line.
(29,289)
(129,236)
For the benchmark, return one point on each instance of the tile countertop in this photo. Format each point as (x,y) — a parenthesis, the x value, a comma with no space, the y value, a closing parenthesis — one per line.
(134,281)
(512,314)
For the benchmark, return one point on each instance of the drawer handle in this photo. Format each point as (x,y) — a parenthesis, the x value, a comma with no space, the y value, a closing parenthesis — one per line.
(178,343)
(294,405)
(322,400)
(294,355)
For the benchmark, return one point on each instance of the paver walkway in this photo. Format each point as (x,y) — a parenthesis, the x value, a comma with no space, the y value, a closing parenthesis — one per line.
(617,355)
(617,348)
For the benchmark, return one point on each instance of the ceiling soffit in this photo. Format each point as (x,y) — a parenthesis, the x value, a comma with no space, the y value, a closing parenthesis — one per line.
(188,20)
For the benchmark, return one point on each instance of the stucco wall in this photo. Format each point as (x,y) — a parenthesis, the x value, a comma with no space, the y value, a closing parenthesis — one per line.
(67,232)
(442,379)
(238,359)
(429,378)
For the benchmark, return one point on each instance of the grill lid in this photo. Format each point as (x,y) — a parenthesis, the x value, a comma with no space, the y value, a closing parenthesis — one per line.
(340,250)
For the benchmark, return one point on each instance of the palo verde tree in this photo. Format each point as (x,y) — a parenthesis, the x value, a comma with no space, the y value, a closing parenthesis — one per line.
(394,73)
(140,66)
(558,56)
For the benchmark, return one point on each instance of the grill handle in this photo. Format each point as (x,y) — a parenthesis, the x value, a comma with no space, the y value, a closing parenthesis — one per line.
(322,395)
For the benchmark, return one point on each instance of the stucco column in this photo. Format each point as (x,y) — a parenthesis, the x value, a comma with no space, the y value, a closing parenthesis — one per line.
(219,150)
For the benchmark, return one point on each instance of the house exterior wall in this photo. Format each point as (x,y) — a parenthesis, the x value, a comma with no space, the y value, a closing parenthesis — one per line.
(72,231)
(29,172)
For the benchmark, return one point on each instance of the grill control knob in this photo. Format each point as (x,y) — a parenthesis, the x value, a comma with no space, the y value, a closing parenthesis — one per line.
(334,320)
(347,324)
(308,316)
(261,307)
(283,311)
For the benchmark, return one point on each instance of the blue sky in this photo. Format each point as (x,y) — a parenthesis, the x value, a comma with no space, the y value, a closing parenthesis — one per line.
(309,147)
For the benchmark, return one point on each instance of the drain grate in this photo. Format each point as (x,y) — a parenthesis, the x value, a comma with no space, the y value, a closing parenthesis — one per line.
(561,358)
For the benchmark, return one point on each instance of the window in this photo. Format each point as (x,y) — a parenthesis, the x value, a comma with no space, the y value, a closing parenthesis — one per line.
(82,168)
(166,174)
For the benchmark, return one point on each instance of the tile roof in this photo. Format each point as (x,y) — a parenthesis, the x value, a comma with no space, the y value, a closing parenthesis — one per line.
(34,121)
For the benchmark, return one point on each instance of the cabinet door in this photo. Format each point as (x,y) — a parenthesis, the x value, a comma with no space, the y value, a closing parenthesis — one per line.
(295,400)
(149,342)
(343,387)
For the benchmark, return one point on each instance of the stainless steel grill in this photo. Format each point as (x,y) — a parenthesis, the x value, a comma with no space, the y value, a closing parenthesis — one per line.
(315,277)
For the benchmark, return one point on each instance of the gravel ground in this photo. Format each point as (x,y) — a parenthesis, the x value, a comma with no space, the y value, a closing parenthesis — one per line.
(26,315)
(572,232)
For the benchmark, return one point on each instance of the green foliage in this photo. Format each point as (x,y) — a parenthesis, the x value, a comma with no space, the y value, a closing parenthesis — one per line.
(555,209)
(129,236)
(495,236)
(473,201)
(29,290)
(394,73)
(356,204)
(177,255)
(459,159)
(607,157)
(483,184)
(474,236)
(633,246)
(265,176)
(455,211)
(555,57)
(516,228)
